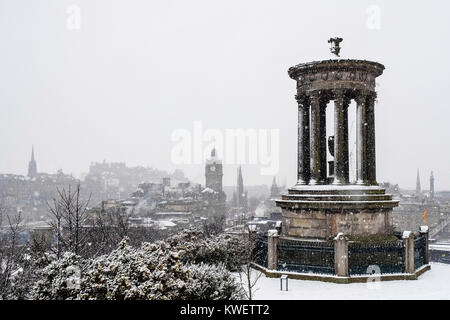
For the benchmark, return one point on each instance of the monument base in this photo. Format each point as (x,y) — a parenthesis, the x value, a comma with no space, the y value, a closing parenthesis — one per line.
(324,211)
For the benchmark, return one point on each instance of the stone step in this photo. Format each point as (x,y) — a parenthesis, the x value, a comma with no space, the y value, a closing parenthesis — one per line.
(331,190)
(351,206)
(338,197)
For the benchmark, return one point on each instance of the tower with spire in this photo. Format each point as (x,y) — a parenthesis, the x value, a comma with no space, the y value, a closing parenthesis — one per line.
(214,174)
(241,195)
(431,186)
(32,167)
(274,190)
(418,188)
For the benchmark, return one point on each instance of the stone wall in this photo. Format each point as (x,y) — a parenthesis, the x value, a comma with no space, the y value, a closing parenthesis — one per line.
(322,224)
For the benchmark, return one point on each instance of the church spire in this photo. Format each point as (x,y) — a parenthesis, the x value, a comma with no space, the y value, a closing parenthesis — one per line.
(274,190)
(32,167)
(240,193)
(432,186)
(418,188)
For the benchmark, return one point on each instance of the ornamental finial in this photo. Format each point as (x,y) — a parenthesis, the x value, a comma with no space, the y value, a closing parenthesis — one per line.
(334,45)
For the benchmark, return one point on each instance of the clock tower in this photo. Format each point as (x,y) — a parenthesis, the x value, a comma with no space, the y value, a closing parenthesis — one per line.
(214,173)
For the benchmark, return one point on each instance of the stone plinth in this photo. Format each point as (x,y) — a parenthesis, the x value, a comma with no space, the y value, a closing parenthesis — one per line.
(324,211)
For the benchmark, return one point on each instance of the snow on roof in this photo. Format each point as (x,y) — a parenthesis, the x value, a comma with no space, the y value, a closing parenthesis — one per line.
(258,222)
(169,213)
(209,190)
(165,224)
(440,246)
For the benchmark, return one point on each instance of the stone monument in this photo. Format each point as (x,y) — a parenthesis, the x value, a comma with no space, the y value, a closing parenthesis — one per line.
(324,203)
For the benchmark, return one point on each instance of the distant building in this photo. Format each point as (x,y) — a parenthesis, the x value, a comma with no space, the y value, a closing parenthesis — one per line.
(214,174)
(418,208)
(274,190)
(213,195)
(166,181)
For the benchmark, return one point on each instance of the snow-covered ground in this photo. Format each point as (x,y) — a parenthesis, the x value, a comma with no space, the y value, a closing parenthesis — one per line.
(433,284)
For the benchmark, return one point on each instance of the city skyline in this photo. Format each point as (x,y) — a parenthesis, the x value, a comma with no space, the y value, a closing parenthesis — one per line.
(280,180)
(118,91)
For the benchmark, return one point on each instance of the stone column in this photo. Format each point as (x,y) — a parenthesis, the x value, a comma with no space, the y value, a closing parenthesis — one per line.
(303,159)
(408,241)
(340,138)
(323,140)
(315,139)
(345,156)
(361,161)
(341,255)
(272,256)
(370,138)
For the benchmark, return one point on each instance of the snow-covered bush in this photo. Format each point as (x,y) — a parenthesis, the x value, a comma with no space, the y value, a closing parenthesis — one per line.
(60,279)
(161,270)
(212,282)
(23,276)
(196,248)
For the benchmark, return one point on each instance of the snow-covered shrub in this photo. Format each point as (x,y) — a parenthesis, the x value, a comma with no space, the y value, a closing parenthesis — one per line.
(160,270)
(196,248)
(212,282)
(60,280)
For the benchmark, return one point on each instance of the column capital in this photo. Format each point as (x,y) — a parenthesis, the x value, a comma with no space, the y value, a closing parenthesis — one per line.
(301,99)
(315,97)
(361,97)
(371,95)
(339,94)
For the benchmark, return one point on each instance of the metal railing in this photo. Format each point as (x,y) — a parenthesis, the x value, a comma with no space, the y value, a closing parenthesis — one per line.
(419,251)
(259,254)
(388,257)
(306,256)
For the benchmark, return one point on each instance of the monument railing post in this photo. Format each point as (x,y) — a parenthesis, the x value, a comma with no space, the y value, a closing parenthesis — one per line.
(408,240)
(424,231)
(341,255)
(272,243)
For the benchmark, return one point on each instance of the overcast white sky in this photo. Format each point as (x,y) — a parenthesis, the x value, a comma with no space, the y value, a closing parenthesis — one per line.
(136,71)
